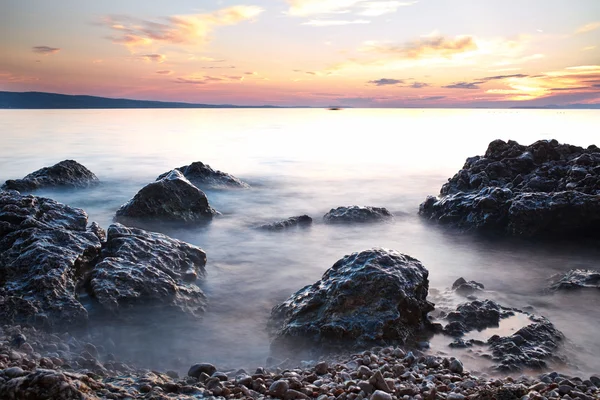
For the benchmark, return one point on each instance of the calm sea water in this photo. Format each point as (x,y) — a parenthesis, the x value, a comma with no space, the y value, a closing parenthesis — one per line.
(308,161)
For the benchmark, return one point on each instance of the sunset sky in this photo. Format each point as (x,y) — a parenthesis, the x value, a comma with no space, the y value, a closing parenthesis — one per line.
(361,53)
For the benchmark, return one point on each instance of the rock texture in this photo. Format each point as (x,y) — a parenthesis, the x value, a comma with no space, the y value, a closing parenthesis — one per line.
(170,199)
(148,271)
(577,279)
(544,189)
(357,214)
(475,315)
(292,222)
(204,177)
(44,250)
(364,297)
(464,288)
(66,173)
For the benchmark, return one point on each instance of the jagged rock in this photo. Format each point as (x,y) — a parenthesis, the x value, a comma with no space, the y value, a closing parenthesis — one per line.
(367,296)
(530,347)
(475,315)
(44,250)
(146,270)
(464,288)
(577,279)
(204,177)
(292,222)
(358,214)
(545,189)
(170,199)
(66,173)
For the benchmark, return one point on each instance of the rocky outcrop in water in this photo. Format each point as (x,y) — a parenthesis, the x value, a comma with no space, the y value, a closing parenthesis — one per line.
(44,250)
(148,271)
(475,315)
(464,288)
(204,177)
(364,297)
(544,189)
(170,199)
(67,174)
(577,279)
(292,222)
(357,214)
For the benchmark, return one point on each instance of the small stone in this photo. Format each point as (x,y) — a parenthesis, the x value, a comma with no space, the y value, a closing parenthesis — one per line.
(456,366)
(538,387)
(219,375)
(145,388)
(321,368)
(564,389)
(455,396)
(292,394)
(14,372)
(381,395)
(173,374)
(279,388)
(90,348)
(18,340)
(197,369)
(378,381)
(595,380)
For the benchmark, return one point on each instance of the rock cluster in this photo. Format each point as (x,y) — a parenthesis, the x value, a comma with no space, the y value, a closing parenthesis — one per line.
(577,279)
(357,214)
(204,177)
(544,189)
(292,222)
(66,173)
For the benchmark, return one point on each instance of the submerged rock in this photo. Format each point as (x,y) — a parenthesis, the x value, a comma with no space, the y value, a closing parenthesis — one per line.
(150,271)
(358,214)
(44,250)
(292,222)
(364,297)
(66,173)
(204,177)
(577,279)
(170,199)
(464,288)
(545,189)
(475,315)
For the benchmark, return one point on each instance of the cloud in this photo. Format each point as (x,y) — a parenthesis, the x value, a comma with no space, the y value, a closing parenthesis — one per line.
(592,26)
(164,72)
(303,8)
(377,8)
(45,50)
(206,79)
(475,84)
(588,48)
(418,85)
(334,22)
(192,29)
(386,82)
(157,58)
(463,85)
(426,47)
(430,98)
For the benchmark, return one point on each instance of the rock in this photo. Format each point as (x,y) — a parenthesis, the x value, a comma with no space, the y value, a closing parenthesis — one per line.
(456,366)
(595,380)
(18,340)
(367,296)
(475,315)
(140,269)
(197,369)
(321,368)
(379,383)
(545,189)
(292,222)
(279,388)
(45,250)
(380,395)
(14,372)
(68,173)
(455,396)
(577,279)
(530,347)
(357,214)
(204,177)
(464,288)
(170,199)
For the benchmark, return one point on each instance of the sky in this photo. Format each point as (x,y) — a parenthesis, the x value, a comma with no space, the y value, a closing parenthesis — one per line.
(359,53)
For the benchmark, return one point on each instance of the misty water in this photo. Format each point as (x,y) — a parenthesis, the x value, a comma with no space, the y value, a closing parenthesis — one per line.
(304,161)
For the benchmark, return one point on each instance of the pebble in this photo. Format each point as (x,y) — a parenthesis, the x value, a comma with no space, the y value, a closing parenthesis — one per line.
(380,395)
(197,369)
(279,388)
(321,368)
(456,366)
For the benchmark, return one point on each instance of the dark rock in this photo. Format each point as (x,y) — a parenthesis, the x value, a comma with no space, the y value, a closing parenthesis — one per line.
(357,214)
(464,288)
(367,296)
(545,189)
(17,340)
(475,315)
(197,369)
(321,368)
(577,279)
(44,251)
(456,366)
(530,347)
(204,177)
(66,173)
(170,199)
(149,270)
(292,222)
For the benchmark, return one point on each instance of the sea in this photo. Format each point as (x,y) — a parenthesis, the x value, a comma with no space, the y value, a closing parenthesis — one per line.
(308,161)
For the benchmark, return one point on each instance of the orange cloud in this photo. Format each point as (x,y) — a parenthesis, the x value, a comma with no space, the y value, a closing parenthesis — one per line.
(426,47)
(157,58)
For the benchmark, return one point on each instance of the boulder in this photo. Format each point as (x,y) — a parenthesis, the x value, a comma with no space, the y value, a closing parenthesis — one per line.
(170,199)
(292,222)
(464,288)
(204,177)
(545,189)
(475,315)
(577,279)
(364,297)
(68,174)
(150,271)
(45,249)
(357,214)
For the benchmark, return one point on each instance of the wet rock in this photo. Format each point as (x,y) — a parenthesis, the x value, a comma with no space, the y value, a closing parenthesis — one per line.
(530,347)
(456,366)
(44,251)
(14,372)
(68,173)
(545,189)
(367,296)
(475,315)
(292,222)
(577,279)
(170,199)
(147,270)
(357,214)
(464,288)
(204,177)
(279,388)
(197,369)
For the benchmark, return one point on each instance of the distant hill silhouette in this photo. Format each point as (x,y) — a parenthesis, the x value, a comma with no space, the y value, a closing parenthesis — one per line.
(41,100)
